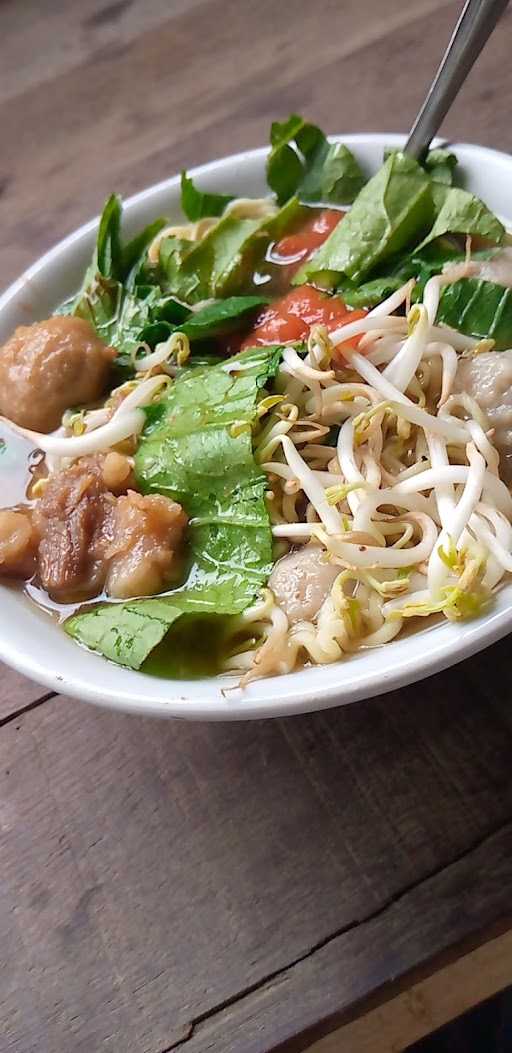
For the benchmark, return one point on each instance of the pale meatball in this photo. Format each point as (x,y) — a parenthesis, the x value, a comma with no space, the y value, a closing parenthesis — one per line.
(147,533)
(498,269)
(50,366)
(301,581)
(488,379)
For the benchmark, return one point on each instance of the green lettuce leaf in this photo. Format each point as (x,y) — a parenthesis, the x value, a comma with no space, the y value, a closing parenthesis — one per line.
(303,162)
(196,204)
(124,632)
(222,262)
(197,449)
(440,165)
(420,265)
(458,212)
(478,308)
(196,271)
(391,211)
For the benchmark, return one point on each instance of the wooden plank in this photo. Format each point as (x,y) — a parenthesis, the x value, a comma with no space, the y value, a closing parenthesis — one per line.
(246,887)
(154,872)
(16,692)
(138,110)
(284,1015)
(428,1004)
(59,37)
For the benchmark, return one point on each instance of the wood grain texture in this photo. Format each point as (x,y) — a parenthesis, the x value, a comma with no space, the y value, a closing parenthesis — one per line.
(206,82)
(244,888)
(16,692)
(156,872)
(427,1004)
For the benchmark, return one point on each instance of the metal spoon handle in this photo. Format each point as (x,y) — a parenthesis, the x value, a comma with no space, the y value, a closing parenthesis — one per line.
(473,29)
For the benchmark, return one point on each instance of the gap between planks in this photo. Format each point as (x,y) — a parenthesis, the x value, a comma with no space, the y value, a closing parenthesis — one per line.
(412,1001)
(17,713)
(427,1005)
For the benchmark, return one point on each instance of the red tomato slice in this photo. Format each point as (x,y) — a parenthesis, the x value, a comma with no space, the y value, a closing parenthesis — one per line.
(291,318)
(292,250)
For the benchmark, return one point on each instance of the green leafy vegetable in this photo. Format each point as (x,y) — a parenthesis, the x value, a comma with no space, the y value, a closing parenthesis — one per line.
(370,293)
(197,449)
(458,212)
(219,317)
(391,211)
(124,632)
(478,308)
(440,165)
(111,259)
(394,210)
(110,297)
(420,265)
(222,262)
(303,162)
(134,254)
(196,271)
(108,255)
(196,204)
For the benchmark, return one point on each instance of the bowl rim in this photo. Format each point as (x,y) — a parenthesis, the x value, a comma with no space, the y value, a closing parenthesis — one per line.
(299,692)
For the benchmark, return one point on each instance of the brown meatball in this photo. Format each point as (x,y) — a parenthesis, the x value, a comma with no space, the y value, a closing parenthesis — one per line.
(47,367)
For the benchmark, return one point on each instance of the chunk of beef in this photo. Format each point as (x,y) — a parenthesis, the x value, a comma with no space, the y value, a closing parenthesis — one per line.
(146,536)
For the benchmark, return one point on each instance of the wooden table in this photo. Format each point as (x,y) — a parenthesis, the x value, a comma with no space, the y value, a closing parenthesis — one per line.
(338,882)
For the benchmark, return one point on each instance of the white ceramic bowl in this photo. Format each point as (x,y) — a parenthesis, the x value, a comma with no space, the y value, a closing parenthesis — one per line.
(34,645)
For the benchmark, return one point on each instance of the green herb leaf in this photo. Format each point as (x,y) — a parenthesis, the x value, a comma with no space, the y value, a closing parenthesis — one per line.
(221,264)
(478,308)
(196,204)
(459,212)
(197,449)
(391,211)
(124,632)
(303,162)
(370,293)
(440,165)
(219,317)
(134,254)
(108,255)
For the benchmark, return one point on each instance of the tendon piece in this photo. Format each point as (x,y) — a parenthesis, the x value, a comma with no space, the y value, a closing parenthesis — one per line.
(75,516)
(147,534)
(301,581)
(18,543)
(487,378)
(47,367)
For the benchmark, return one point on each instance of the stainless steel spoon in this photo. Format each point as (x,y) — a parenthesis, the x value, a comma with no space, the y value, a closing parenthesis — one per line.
(472,31)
